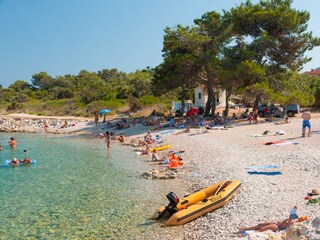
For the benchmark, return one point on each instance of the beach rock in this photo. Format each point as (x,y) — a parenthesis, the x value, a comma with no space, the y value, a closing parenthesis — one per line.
(159,174)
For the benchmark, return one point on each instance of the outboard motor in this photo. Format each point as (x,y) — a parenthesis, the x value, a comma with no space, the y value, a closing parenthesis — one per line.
(172,206)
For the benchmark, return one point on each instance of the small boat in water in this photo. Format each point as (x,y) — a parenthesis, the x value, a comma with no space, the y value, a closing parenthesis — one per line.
(181,211)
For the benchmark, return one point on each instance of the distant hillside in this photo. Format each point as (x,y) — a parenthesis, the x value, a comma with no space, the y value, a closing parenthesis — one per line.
(317,68)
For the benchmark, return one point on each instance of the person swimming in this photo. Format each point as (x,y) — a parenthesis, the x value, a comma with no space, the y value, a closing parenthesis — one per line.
(26,160)
(14,161)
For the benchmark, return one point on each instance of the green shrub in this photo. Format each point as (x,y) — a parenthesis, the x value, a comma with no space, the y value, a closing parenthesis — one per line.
(108,104)
(134,104)
(15,106)
(149,100)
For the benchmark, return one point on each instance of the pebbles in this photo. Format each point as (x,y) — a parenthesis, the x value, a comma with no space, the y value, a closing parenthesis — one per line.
(9,124)
(160,174)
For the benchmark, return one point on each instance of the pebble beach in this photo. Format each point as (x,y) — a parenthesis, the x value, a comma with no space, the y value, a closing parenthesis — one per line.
(225,155)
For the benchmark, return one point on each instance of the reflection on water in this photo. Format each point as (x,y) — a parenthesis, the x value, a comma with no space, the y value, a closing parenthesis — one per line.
(78,189)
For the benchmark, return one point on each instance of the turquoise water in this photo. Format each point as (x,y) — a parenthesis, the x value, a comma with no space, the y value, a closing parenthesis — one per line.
(78,189)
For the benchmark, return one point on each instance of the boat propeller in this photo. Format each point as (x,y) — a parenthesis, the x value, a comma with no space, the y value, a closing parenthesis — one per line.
(172,206)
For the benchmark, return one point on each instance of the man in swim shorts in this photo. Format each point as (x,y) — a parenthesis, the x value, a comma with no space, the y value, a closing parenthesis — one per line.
(306,116)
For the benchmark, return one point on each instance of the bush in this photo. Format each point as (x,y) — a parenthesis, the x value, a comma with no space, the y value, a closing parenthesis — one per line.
(149,100)
(109,104)
(15,106)
(134,104)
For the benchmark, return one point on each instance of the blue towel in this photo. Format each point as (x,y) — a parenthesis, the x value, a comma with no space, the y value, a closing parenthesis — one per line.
(265,173)
(262,167)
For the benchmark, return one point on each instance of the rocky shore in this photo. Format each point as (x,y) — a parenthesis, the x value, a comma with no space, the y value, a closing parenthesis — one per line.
(36,125)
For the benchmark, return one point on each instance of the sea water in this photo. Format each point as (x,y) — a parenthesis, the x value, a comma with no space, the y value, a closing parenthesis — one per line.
(78,189)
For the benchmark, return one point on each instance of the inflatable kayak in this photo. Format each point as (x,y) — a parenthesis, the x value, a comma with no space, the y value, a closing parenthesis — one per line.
(160,148)
(7,162)
(181,211)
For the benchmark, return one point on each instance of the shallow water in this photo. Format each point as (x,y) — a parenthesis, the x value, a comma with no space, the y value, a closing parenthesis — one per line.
(78,189)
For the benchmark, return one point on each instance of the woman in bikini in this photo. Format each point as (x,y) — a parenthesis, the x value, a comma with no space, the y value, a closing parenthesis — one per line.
(274,226)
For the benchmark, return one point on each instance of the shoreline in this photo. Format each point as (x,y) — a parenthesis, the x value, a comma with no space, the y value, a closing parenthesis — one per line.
(222,155)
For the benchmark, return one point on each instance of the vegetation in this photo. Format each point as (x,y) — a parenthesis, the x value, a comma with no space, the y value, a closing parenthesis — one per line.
(256,49)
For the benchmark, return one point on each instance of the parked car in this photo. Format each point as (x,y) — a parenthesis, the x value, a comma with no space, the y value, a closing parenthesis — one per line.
(291,109)
(265,110)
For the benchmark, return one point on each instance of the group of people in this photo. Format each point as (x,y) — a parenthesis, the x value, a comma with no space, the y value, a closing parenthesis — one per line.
(13,144)
(15,161)
(172,160)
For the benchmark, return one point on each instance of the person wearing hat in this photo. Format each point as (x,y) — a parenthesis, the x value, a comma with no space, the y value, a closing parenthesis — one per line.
(12,142)
(313,192)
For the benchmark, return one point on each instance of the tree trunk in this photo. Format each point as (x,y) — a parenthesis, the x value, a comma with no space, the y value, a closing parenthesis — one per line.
(213,102)
(183,100)
(226,110)
(210,98)
(257,101)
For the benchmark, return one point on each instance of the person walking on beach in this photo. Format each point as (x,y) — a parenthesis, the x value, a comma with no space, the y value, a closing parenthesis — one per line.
(108,139)
(306,116)
(96,118)
(13,143)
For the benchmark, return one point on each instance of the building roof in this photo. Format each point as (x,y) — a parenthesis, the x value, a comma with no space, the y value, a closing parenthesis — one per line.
(315,72)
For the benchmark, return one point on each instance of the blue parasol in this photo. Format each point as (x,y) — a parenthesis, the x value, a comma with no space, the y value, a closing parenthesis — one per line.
(104,111)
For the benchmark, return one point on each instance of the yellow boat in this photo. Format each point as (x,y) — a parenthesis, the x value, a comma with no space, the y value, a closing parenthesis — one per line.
(195,205)
(160,148)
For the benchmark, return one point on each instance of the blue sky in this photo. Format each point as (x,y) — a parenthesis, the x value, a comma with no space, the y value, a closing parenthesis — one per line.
(66,36)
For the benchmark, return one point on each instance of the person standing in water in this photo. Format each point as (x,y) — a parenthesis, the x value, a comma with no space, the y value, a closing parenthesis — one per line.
(108,139)
(13,142)
(306,116)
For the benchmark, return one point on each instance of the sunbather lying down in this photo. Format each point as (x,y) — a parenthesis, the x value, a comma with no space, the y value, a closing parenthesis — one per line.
(273,226)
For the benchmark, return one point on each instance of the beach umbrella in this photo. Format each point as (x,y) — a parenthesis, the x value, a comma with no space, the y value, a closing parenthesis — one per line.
(104,111)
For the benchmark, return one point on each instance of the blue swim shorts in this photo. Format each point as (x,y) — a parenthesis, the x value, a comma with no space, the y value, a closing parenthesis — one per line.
(306,124)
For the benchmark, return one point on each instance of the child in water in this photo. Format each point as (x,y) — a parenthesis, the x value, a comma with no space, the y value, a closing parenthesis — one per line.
(108,139)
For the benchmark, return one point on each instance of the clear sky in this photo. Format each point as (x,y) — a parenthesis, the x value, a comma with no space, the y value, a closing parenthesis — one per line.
(66,36)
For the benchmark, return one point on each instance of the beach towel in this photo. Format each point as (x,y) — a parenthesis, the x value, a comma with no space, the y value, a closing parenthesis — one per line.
(257,135)
(268,133)
(285,143)
(265,173)
(167,132)
(217,128)
(262,167)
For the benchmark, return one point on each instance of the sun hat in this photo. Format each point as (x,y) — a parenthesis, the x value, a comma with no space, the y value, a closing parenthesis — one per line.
(314,192)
